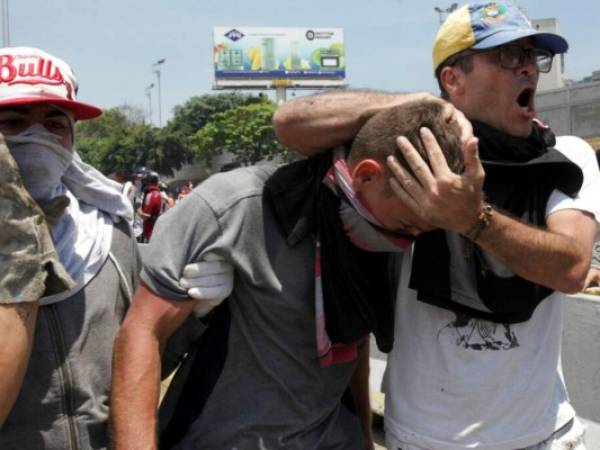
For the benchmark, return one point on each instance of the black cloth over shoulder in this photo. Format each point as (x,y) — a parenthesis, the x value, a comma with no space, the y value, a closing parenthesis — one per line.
(358,295)
(520,176)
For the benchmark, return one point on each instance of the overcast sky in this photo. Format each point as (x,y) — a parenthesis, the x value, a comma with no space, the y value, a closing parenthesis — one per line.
(111,44)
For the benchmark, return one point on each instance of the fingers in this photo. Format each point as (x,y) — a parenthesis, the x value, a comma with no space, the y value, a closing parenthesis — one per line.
(448,112)
(473,168)
(588,280)
(415,162)
(592,278)
(437,160)
(216,288)
(204,268)
(466,128)
(401,182)
(209,294)
(456,116)
(208,280)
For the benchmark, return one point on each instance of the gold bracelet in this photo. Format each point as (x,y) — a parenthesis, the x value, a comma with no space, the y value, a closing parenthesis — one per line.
(482,222)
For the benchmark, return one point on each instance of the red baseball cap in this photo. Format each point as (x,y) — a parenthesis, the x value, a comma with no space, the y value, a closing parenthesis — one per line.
(29,75)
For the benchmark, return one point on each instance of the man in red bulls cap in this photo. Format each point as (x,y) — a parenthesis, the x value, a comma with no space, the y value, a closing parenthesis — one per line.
(66,277)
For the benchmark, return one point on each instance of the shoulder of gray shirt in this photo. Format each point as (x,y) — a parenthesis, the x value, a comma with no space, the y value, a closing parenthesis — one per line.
(221,191)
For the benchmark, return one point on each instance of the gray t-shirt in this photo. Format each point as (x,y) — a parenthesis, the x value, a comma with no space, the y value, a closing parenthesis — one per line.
(271,392)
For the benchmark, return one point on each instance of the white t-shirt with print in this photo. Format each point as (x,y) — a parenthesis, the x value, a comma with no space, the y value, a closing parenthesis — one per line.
(455,382)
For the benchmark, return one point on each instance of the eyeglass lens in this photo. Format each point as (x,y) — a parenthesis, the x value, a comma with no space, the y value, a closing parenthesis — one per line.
(514,57)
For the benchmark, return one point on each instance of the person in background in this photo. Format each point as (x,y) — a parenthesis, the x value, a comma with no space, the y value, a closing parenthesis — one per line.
(170,199)
(138,223)
(125,179)
(129,188)
(164,196)
(55,357)
(184,191)
(151,206)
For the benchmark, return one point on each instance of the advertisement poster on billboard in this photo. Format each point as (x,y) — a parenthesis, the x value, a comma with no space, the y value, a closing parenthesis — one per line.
(251,53)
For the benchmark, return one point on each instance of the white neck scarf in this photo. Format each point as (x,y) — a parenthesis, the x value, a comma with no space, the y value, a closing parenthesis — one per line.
(83,234)
(82,238)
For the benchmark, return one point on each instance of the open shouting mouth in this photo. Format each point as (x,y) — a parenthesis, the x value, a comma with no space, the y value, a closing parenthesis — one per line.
(525,100)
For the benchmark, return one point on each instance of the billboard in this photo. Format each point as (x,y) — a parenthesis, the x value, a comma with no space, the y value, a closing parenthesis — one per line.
(278,56)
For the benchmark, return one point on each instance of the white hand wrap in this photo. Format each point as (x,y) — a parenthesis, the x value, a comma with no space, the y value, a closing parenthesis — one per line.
(209,281)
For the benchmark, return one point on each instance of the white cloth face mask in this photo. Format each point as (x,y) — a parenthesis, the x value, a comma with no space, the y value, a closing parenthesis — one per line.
(42,160)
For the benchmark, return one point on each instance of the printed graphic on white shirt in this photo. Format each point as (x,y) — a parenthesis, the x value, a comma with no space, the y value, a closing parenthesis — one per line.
(476,334)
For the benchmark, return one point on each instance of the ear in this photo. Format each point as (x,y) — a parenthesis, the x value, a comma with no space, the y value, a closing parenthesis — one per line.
(366,173)
(453,80)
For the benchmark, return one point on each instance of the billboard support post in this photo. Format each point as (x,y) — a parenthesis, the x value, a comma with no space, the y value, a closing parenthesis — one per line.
(149,95)
(156,67)
(280,95)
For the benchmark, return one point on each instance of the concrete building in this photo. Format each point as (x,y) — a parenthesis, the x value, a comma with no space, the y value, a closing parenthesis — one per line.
(568,107)
(555,78)
(573,109)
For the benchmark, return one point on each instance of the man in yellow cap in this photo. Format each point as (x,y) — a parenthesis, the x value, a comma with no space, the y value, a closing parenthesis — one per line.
(476,359)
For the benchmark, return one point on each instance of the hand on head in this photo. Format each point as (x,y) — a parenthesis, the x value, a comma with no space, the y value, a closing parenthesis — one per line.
(436,194)
(455,116)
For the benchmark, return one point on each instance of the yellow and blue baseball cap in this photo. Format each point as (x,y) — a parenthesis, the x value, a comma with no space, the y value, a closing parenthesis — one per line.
(485,24)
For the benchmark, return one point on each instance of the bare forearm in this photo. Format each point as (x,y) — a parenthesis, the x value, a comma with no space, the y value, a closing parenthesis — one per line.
(318,122)
(545,257)
(17,325)
(136,367)
(135,391)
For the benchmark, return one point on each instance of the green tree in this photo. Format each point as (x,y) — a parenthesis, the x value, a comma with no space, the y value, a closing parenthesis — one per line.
(118,140)
(244,131)
(93,138)
(159,149)
(233,122)
(197,111)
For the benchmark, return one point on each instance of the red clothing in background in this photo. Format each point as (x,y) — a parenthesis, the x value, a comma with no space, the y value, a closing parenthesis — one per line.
(152,206)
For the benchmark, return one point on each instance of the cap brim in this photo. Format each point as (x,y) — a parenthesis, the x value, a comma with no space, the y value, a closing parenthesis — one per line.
(547,41)
(80,110)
